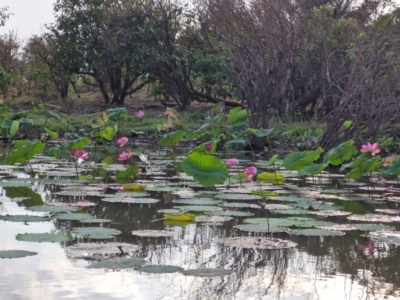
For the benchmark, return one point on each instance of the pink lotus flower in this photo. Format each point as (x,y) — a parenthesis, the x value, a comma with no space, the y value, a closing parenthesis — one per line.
(209,147)
(383,181)
(79,153)
(389,188)
(140,114)
(373,179)
(122,141)
(249,177)
(374,148)
(250,171)
(125,155)
(232,162)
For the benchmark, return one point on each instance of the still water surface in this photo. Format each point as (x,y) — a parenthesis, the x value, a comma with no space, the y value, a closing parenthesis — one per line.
(318,268)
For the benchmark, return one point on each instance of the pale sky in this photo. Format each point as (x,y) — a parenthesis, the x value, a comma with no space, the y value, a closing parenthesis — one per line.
(28,17)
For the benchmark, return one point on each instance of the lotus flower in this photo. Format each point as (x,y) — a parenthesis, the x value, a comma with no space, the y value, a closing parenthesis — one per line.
(232,162)
(374,148)
(122,141)
(140,114)
(383,181)
(125,155)
(208,146)
(250,171)
(79,153)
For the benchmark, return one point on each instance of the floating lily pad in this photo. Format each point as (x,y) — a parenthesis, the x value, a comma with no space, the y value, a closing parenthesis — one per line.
(43,237)
(79,193)
(285,222)
(198,208)
(213,219)
(167,189)
(198,201)
(60,174)
(24,218)
(16,253)
(85,249)
(373,227)
(153,233)
(330,213)
(230,213)
(289,198)
(73,217)
(96,232)
(260,228)
(291,211)
(82,204)
(52,208)
(118,264)
(169,211)
(386,237)
(96,221)
(239,205)
(388,211)
(207,272)
(316,205)
(238,197)
(335,191)
(257,243)
(15,184)
(374,218)
(128,194)
(131,200)
(316,232)
(156,269)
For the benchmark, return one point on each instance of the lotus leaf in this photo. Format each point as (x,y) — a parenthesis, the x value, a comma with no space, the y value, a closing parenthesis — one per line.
(237,115)
(291,212)
(386,237)
(393,169)
(213,219)
(156,269)
(153,233)
(95,221)
(198,208)
(205,169)
(242,197)
(170,139)
(84,249)
(118,264)
(372,227)
(271,177)
(52,208)
(207,272)
(374,218)
(340,153)
(15,184)
(130,200)
(316,232)
(75,144)
(280,222)
(16,253)
(230,213)
(24,218)
(43,237)
(167,189)
(73,217)
(169,211)
(261,228)
(198,201)
(298,160)
(257,243)
(24,151)
(96,232)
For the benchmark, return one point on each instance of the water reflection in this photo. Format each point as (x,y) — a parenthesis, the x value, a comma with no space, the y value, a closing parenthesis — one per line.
(348,267)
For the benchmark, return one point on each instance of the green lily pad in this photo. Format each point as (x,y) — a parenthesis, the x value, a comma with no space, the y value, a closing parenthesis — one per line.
(198,201)
(198,208)
(330,213)
(289,198)
(241,197)
(60,174)
(96,221)
(157,269)
(239,205)
(117,264)
(128,194)
(169,211)
(44,237)
(24,218)
(207,272)
(213,219)
(167,189)
(316,232)
(374,218)
(291,211)
(52,208)
(131,200)
(257,243)
(16,253)
(285,222)
(230,213)
(24,151)
(386,237)
(106,249)
(205,169)
(96,232)
(73,217)
(373,227)
(153,233)
(260,228)
(15,184)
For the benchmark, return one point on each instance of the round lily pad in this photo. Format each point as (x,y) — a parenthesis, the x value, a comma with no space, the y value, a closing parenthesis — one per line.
(213,219)
(73,217)
(83,204)
(95,221)
(260,228)
(96,232)
(330,213)
(128,194)
(16,253)
(386,237)
(291,211)
(169,211)
(156,269)
(257,243)
(240,205)
(198,201)
(118,264)
(153,233)
(24,218)
(230,213)
(207,272)
(167,189)
(284,222)
(388,211)
(289,198)
(316,232)
(372,227)
(43,237)
(238,197)
(130,200)
(198,208)
(52,208)
(374,218)
(84,249)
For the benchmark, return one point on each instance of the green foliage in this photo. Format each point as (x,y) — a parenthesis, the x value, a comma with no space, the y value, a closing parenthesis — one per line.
(361,165)
(75,144)
(130,172)
(116,113)
(260,133)
(24,151)
(205,169)
(170,139)
(298,160)
(340,154)
(272,161)
(237,115)
(271,177)
(393,169)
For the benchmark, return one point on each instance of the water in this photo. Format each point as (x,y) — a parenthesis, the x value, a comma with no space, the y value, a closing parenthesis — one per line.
(318,268)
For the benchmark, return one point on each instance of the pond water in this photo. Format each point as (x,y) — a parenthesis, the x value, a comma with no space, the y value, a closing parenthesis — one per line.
(353,265)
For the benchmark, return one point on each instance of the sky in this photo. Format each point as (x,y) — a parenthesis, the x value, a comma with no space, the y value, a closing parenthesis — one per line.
(28,16)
